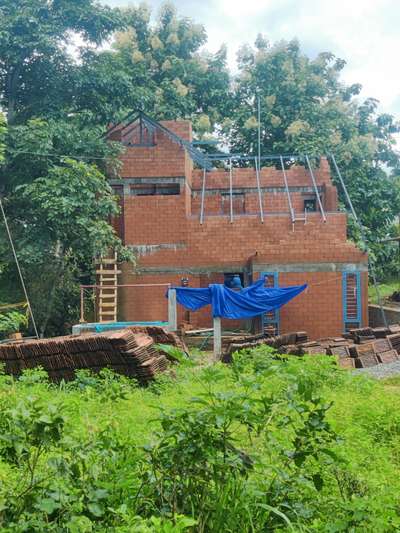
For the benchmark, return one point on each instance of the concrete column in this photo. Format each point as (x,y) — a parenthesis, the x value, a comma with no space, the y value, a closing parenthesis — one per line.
(172,312)
(217,338)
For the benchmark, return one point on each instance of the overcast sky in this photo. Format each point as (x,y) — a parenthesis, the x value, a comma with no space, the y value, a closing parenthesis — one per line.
(366,33)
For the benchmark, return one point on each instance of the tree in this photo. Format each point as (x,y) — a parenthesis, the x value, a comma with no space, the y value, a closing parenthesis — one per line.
(39,80)
(169,75)
(36,69)
(306,109)
(3,129)
(34,147)
(60,222)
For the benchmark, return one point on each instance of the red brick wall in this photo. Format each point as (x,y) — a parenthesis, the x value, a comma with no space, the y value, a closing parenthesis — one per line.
(318,310)
(218,242)
(165,159)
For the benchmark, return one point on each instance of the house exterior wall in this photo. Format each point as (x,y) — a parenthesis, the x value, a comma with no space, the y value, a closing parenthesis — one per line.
(171,243)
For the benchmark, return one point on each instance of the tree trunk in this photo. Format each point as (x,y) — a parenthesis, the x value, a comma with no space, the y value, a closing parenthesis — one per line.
(59,253)
(11,88)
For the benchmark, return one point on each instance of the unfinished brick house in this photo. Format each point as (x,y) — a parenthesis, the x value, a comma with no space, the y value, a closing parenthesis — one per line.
(202,225)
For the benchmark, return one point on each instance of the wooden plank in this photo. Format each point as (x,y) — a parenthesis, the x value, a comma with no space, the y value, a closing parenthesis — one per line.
(108,261)
(198,331)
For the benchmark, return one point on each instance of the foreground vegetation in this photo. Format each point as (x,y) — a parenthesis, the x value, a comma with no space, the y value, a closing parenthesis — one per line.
(266,444)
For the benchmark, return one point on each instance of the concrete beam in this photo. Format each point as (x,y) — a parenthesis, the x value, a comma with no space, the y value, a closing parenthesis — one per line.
(311,267)
(240,190)
(135,181)
(265,267)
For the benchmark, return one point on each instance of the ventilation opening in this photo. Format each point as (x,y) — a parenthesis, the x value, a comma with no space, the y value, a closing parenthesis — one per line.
(155,189)
(310,205)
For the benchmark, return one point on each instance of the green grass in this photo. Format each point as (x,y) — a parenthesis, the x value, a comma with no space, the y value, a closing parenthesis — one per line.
(308,447)
(385,290)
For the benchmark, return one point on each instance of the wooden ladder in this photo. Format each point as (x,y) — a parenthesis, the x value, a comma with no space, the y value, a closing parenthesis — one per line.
(107,273)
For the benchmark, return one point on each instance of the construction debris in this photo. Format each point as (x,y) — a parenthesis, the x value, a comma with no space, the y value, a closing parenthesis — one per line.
(131,351)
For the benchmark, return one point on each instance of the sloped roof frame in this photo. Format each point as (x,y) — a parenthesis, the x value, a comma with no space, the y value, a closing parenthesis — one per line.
(196,155)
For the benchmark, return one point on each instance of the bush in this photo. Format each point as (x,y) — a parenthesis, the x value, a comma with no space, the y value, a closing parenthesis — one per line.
(269,443)
(12,322)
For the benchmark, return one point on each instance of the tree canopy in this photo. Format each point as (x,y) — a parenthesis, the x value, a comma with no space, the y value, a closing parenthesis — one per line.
(70,67)
(36,69)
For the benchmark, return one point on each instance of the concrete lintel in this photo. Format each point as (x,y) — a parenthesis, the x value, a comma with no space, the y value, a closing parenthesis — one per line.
(311,267)
(149,249)
(227,269)
(289,268)
(135,181)
(242,190)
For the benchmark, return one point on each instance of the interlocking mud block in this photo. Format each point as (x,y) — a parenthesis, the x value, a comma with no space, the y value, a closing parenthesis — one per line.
(347,362)
(366,361)
(388,357)
(341,351)
(382,345)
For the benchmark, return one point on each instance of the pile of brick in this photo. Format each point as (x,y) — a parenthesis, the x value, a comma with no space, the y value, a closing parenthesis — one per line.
(360,348)
(128,352)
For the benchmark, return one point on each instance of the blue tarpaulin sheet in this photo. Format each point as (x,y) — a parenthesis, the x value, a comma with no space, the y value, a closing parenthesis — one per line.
(246,303)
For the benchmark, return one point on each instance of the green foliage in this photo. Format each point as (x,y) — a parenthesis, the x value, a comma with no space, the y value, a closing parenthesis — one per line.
(60,221)
(269,443)
(174,354)
(164,71)
(385,290)
(12,322)
(36,70)
(2,136)
(306,108)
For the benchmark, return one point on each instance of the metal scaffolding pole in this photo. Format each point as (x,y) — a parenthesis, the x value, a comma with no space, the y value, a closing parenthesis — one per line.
(259,130)
(203,192)
(259,190)
(287,191)
(230,191)
(315,188)
(363,236)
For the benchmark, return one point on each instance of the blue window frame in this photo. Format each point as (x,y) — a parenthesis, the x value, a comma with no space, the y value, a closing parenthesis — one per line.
(351,300)
(271,319)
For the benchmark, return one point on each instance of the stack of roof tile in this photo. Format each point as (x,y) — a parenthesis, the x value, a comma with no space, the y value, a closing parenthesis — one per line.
(286,343)
(125,351)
